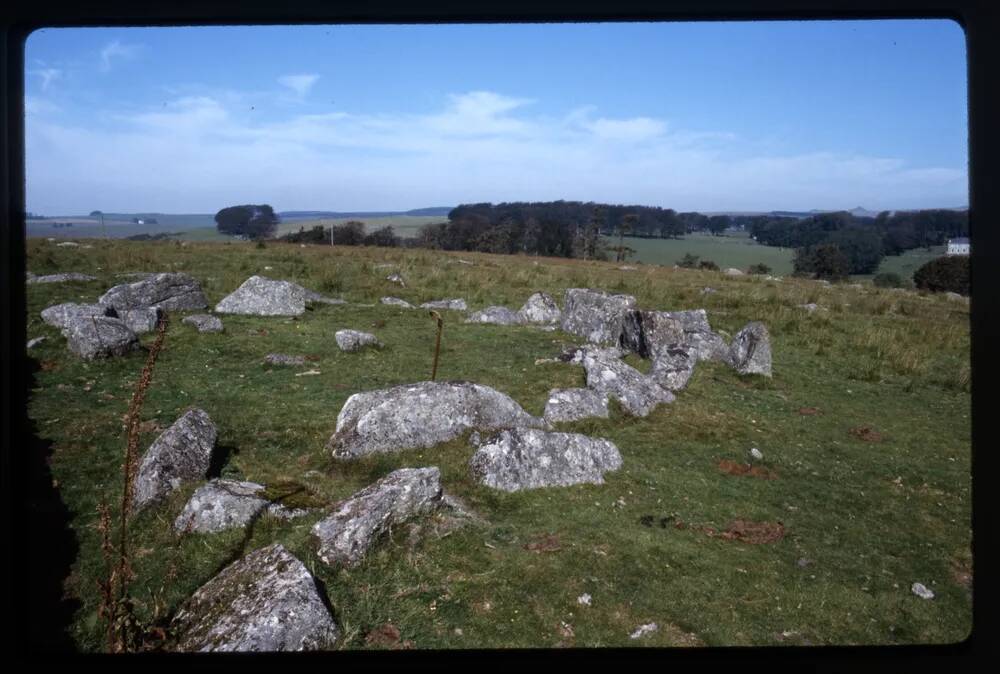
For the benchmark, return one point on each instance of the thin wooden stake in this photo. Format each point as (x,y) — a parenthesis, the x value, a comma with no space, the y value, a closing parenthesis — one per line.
(437,345)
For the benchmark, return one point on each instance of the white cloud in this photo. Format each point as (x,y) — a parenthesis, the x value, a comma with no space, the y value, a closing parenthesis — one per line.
(47,75)
(199,153)
(300,84)
(115,50)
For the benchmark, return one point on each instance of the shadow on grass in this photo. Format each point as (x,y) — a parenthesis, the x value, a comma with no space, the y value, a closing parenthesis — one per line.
(51,542)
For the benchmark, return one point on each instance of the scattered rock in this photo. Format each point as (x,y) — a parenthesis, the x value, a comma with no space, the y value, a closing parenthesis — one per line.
(64,315)
(643,630)
(260,296)
(627,268)
(266,601)
(528,458)
(225,504)
(421,415)
(673,367)
(699,338)
(169,291)
(608,374)
(32,343)
(68,244)
(140,319)
(732,271)
(395,301)
(495,315)
(646,333)
(204,322)
(356,523)
(353,340)
(595,315)
(571,404)
(707,291)
(93,337)
(282,359)
(540,308)
(396,278)
(182,453)
(454,305)
(307,373)
(465,261)
(921,591)
(583,599)
(60,278)
(811,307)
(750,352)
(756,454)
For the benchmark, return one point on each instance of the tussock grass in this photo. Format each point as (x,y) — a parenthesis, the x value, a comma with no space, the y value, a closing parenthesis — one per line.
(869,518)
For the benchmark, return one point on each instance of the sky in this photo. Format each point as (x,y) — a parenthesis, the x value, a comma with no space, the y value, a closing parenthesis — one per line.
(707,116)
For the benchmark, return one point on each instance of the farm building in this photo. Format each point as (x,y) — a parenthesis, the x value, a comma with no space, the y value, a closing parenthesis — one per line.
(959,246)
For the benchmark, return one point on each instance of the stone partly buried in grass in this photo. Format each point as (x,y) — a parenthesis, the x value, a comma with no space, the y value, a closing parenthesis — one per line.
(94,337)
(750,351)
(225,504)
(595,315)
(453,304)
(528,458)
(260,296)
(60,278)
(540,309)
(171,291)
(608,374)
(204,322)
(495,315)
(266,601)
(354,340)
(182,453)
(356,523)
(421,415)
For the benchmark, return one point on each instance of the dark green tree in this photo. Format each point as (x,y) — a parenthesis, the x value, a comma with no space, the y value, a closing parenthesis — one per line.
(253,221)
(949,273)
(350,233)
(384,237)
(825,261)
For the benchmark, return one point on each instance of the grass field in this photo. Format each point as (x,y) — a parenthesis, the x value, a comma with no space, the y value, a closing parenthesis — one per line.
(735,249)
(909,262)
(863,520)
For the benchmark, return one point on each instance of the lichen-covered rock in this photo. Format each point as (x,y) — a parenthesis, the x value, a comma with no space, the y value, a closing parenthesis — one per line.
(495,315)
(204,322)
(260,296)
(571,404)
(750,352)
(93,337)
(396,302)
(225,504)
(527,458)
(266,601)
(60,278)
(140,319)
(595,315)
(540,308)
(353,340)
(356,523)
(182,453)
(421,415)
(646,333)
(453,304)
(673,367)
(608,374)
(63,315)
(284,360)
(171,291)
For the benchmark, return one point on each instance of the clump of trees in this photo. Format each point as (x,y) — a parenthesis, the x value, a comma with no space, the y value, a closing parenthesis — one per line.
(823,261)
(949,273)
(252,221)
(759,268)
(349,234)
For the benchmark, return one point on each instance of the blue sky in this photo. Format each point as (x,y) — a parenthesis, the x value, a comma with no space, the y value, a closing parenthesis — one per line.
(691,116)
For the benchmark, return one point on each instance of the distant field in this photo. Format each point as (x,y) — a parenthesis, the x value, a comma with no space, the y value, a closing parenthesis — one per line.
(404,225)
(909,262)
(732,250)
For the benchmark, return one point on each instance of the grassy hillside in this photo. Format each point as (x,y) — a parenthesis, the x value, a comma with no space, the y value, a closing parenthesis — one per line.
(864,518)
(732,250)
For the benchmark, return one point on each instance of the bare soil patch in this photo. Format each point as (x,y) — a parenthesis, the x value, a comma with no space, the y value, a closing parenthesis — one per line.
(754,533)
(387,636)
(733,468)
(544,543)
(809,411)
(866,434)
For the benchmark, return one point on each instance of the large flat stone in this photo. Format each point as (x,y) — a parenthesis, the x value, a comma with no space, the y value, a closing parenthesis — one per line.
(171,291)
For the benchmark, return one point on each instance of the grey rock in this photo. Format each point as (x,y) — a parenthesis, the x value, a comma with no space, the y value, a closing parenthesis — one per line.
(60,278)
(750,352)
(571,404)
(32,343)
(396,302)
(355,524)
(595,315)
(260,296)
(182,453)
(68,244)
(673,366)
(135,274)
(225,504)
(643,630)
(421,415)
(63,315)
(495,315)
(266,601)
(921,591)
(540,308)
(646,333)
(171,291)
(282,359)
(627,268)
(353,340)
(956,296)
(454,305)
(93,337)
(607,374)
(204,322)
(732,271)
(313,296)
(811,307)
(528,458)
(699,337)
(396,278)
(140,319)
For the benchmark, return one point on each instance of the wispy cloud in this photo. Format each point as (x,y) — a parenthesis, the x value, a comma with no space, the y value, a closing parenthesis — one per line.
(47,76)
(300,84)
(478,146)
(116,50)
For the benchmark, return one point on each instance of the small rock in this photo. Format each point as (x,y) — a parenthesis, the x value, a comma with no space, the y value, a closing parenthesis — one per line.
(204,322)
(803,562)
(540,309)
(811,307)
(453,304)
(395,301)
(284,360)
(396,278)
(307,373)
(706,290)
(921,591)
(583,599)
(756,454)
(495,315)
(60,278)
(260,296)
(141,319)
(68,244)
(226,504)
(643,630)
(353,340)
(732,271)
(32,343)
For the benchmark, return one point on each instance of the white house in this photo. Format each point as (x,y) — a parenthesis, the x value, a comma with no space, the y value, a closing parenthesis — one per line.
(959,246)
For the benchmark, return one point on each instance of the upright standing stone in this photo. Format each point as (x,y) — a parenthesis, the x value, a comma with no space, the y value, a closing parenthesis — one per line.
(750,352)
(182,453)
